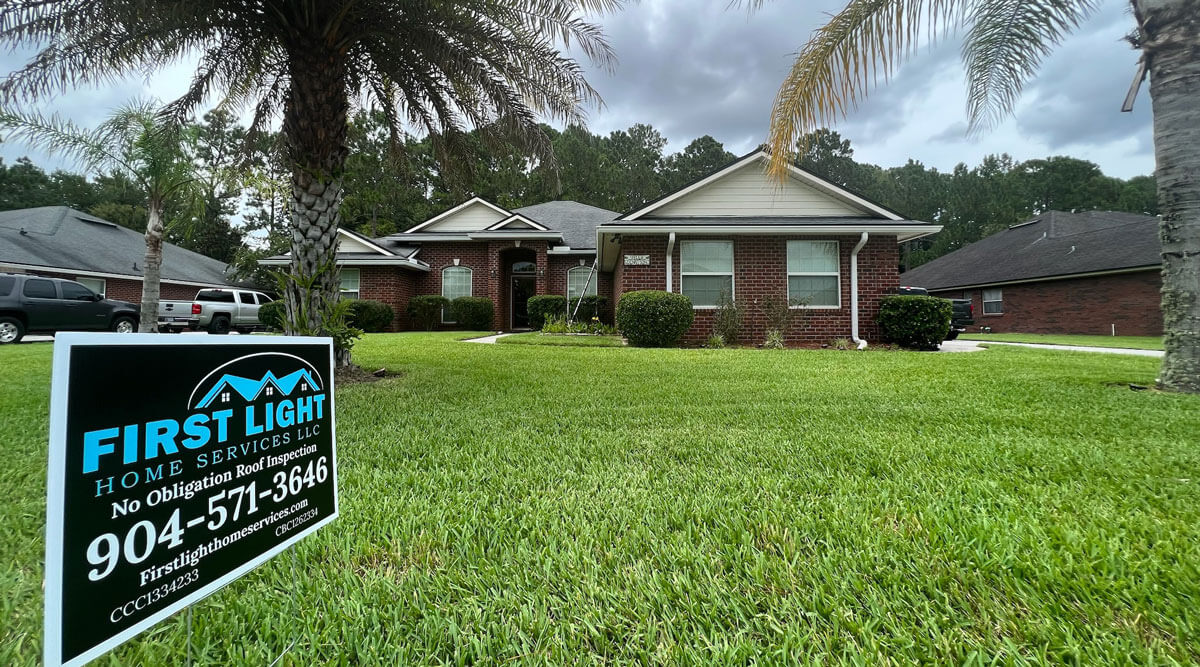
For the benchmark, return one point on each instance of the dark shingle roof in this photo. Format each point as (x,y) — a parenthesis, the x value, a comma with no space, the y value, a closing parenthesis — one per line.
(576,221)
(1055,243)
(765,220)
(61,237)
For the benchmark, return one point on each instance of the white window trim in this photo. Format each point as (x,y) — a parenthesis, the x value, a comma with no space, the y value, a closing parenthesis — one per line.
(591,284)
(470,288)
(103,284)
(837,274)
(732,270)
(344,293)
(985,301)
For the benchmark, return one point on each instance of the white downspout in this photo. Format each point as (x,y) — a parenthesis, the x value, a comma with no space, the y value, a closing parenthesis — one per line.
(670,258)
(862,241)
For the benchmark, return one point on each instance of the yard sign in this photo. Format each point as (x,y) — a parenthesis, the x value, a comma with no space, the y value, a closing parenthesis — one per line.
(175,468)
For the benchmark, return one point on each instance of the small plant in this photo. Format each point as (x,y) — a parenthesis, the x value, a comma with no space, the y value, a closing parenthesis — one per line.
(426,310)
(589,307)
(715,342)
(544,307)
(652,318)
(273,314)
(840,344)
(774,340)
(366,314)
(918,322)
(559,325)
(324,318)
(472,313)
(728,320)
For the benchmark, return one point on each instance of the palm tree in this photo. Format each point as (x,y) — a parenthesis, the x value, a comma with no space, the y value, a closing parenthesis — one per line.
(443,67)
(1004,42)
(136,141)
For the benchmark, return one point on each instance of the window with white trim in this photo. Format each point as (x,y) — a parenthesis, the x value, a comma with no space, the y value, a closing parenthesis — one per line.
(813,274)
(706,271)
(456,282)
(993,301)
(577,278)
(97,285)
(349,283)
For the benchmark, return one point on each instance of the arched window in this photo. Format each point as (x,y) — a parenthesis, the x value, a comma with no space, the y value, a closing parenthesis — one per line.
(576,278)
(524,267)
(456,282)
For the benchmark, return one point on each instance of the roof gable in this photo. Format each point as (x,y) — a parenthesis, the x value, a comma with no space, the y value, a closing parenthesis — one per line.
(473,215)
(348,241)
(744,189)
(517,221)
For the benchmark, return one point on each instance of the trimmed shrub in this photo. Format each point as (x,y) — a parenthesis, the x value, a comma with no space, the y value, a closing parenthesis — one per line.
(272,314)
(651,318)
(918,322)
(591,306)
(544,307)
(426,310)
(473,313)
(370,316)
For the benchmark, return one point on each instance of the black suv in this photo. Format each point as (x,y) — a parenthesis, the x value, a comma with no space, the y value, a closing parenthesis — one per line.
(33,304)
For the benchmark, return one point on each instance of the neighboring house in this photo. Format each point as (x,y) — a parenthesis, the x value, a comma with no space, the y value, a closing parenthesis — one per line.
(61,242)
(736,230)
(1093,272)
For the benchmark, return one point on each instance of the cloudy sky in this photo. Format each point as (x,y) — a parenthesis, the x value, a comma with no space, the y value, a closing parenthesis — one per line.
(695,67)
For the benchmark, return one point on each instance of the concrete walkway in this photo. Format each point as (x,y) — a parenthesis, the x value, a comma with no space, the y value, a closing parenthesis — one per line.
(962,346)
(487,339)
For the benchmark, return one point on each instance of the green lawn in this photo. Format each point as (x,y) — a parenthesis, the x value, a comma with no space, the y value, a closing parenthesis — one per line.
(536,338)
(515,504)
(1133,342)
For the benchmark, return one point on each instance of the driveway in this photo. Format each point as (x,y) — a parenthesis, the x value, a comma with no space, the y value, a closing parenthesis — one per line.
(974,345)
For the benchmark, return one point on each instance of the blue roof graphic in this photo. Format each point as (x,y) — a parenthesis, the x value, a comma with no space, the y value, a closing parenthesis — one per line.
(250,389)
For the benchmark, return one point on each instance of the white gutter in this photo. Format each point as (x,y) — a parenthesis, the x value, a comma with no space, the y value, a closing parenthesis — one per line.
(862,241)
(670,258)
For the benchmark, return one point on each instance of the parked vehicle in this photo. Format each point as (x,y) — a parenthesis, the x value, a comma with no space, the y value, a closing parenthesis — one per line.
(174,316)
(34,304)
(961,317)
(219,311)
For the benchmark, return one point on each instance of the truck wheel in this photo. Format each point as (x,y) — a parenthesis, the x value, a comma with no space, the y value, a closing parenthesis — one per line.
(11,330)
(219,325)
(124,325)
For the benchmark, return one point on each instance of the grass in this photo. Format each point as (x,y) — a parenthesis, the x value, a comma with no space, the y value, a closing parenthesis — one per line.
(562,340)
(511,504)
(1131,342)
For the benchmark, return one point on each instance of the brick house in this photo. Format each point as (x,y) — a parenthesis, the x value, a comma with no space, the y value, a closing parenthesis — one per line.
(1092,272)
(60,242)
(736,230)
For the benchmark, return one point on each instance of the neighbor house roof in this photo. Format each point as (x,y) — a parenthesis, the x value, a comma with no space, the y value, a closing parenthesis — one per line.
(1054,244)
(61,238)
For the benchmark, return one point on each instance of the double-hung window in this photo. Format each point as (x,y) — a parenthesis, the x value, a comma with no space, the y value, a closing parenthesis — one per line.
(706,271)
(456,282)
(97,285)
(813,277)
(577,277)
(993,301)
(349,283)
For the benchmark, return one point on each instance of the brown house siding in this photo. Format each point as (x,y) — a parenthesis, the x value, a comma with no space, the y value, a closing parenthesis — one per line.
(760,269)
(1130,301)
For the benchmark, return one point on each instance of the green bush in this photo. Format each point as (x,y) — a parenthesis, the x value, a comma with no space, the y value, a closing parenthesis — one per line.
(728,321)
(919,322)
(273,314)
(591,306)
(370,316)
(426,310)
(473,313)
(544,307)
(650,318)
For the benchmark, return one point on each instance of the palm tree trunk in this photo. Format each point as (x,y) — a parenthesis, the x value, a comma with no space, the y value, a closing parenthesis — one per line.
(1170,40)
(152,270)
(314,129)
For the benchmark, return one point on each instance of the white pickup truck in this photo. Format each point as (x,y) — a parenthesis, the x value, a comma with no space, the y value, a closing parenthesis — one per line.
(217,311)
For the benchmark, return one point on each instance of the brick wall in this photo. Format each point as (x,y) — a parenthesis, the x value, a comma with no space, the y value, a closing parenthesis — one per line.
(760,269)
(1092,305)
(557,278)
(391,285)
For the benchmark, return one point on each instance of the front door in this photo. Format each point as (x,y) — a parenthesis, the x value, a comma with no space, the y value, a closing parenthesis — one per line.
(523,287)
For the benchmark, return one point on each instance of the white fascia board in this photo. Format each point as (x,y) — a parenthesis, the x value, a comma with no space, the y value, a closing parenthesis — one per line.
(810,179)
(382,261)
(564,250)
(445,214)
(359,238)
(430,236)
(517,217)
(502,235)
(101,274)
(902,232)
(1042,279)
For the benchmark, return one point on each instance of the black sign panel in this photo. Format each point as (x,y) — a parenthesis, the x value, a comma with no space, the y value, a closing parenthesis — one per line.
(177,464)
